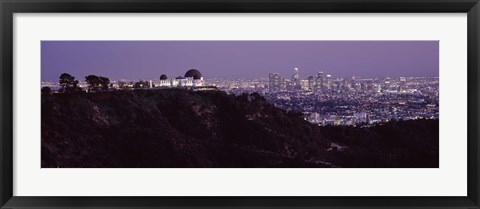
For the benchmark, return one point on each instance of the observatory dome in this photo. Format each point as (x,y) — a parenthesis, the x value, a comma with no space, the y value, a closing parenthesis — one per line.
(193,73)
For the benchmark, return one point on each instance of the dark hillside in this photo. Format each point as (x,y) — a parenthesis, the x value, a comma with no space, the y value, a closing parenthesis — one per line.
(182,128)
(396,144)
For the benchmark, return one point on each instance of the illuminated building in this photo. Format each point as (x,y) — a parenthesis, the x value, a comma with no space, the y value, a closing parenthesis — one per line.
(402,85)
(304,84)
(329,82)
(194,78)
(164,82)
(295,77)
(311,83)
(319,81)
(276,83)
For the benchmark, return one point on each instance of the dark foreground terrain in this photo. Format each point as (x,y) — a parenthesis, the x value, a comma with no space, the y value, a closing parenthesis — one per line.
(181,128)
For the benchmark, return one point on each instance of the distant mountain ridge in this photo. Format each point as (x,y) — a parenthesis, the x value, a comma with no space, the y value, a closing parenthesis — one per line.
(175,128)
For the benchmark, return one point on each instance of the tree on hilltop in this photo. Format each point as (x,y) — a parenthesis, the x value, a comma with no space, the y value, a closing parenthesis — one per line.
(46,90)
(97,83)
(104,83)
(141,84)
(68,83)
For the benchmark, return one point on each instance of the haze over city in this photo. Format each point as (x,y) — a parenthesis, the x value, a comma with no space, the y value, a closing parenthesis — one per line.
(133,60)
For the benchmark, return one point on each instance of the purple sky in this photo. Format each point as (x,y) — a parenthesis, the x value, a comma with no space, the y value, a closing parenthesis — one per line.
(238,59)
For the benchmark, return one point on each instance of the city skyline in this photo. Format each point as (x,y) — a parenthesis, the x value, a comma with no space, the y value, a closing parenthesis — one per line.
(187,104)
(134,60)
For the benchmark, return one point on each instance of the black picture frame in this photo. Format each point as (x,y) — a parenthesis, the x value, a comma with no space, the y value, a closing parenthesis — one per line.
(9,7)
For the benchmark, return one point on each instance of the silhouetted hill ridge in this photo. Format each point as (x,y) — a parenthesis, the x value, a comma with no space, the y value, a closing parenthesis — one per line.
(183,128)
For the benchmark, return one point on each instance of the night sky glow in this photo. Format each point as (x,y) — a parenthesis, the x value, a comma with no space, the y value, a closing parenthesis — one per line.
(135,60)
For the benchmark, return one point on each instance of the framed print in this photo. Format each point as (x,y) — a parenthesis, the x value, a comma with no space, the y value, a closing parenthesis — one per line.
(239,104)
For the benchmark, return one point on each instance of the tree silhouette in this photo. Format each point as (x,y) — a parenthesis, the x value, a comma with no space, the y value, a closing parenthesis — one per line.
(104,83)
(141,84)
(46,90)
(93,82)
(68,83)
(97,83)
